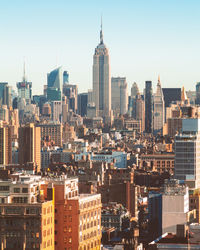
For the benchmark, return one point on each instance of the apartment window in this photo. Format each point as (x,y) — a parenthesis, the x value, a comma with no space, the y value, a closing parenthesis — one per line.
(70,219)
(24,190)
(70,207)
(70,240)
(70,229)
(16,190)
(4,188)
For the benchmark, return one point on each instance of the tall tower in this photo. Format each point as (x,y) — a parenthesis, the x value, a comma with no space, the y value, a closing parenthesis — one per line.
(101,80)
(54,85)
(24,89)
(5,145)
(148,106)
(30,145)
(187,151)
(158,109)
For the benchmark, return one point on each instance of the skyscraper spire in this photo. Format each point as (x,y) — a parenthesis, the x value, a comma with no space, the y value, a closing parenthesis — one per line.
(159,79)
(101,32)
(24,75)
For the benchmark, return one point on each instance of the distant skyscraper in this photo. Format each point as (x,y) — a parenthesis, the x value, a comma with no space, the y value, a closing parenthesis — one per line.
(82,104)
(71,93)
(158,109)
(65,77)
(171,95)
(119,95)
(25,90)
(101,80)
(148,106)
(139,110)
(5,94)
(187,151)
(56,108)
(134,90)
(198,93)
(54,85)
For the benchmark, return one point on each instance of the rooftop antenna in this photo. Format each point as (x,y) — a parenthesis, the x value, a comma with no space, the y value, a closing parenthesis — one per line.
(101,32)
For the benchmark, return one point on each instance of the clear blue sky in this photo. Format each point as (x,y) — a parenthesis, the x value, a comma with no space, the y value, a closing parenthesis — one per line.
(145,38)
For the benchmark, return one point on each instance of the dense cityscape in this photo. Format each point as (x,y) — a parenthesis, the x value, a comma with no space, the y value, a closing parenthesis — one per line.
(104,169)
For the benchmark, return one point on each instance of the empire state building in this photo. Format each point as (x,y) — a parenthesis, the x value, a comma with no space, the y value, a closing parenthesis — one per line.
(102,80)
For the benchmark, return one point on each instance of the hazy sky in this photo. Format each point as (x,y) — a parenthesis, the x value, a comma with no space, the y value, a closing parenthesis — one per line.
(145,38)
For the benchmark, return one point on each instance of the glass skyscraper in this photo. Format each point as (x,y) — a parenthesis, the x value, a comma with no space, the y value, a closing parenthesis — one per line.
(54,85)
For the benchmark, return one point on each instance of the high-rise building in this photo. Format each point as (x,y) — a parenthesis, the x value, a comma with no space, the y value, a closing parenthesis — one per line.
(119,95)
(138,110)
(54,85)
(198,93)
(5,145)
(82,104)
(51,132)
(187,150)
(158,109)
(171,95)
(56,111)
(71,93)
(30,145)
(5,94)
(65,77)
(101,80)
(148,106)
(134,90)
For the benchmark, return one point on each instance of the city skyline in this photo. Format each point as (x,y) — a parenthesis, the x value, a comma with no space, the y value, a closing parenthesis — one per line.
(155,39)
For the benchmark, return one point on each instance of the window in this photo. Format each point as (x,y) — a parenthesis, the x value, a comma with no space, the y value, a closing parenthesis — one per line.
(24,190)
(70,207)
(16,190)
(70,240)
(70,219)
(70,229)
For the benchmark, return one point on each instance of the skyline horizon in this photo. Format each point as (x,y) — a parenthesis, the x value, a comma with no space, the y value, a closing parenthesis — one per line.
(144,40)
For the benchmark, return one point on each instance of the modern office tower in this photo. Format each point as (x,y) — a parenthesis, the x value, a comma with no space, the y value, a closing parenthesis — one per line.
(101,80)
(56,111)
(198,93)
(5,145)
(71,92)
(5,94)
(82,104)
(187,150)
(158,109)
(25,90)
(29,215)
(51,132)
(119,95)
(65,77)
(54,85)
(191,96)
(30,145)
(134,90)
(148,106)
(138,111)
(90,95)
(171,95)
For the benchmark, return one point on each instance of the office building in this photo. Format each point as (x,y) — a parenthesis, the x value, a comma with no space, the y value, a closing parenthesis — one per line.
(51,132)
(171,95)
(138,110)
(119,95)
(5,94)
(54,85)
(148,106)
(30,145)
(187,150)
(5,145)
(134,90)
(158,109)
(70,91)
(82,104)
(198,93)
(56,111)
(65,77)
(101,80)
